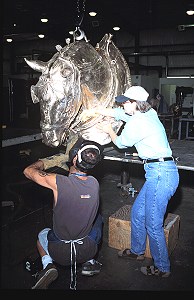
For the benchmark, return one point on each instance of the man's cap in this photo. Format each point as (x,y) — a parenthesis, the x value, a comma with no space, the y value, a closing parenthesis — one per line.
(79,147)
(73,151)
(137,93)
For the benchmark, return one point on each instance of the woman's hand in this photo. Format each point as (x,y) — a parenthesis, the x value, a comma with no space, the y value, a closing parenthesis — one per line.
(107,128)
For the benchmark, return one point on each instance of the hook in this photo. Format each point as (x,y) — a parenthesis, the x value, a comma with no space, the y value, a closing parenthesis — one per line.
(80,36)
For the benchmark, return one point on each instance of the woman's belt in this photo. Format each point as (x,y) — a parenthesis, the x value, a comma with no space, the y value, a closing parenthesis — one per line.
(161,159)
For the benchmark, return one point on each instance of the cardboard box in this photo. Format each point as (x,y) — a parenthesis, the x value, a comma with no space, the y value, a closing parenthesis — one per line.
(119,236)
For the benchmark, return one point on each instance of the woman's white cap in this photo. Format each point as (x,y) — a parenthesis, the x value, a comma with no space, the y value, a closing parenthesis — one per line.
(137,93)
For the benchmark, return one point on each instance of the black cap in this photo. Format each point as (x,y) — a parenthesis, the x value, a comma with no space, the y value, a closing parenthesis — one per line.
(78,149)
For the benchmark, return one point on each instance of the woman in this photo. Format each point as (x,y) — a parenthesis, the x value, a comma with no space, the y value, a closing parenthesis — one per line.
(144,130)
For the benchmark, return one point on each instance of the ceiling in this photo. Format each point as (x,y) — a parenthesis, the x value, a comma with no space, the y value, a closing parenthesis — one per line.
(131,16)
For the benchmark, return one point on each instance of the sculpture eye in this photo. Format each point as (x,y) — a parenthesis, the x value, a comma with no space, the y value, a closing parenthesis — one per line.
(63,100)
(66,72)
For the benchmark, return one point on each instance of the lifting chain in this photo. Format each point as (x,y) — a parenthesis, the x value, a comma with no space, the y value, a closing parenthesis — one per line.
(80,13)
(79,34)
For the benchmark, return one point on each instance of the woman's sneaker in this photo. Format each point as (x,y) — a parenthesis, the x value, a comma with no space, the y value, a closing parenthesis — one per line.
(46,277)
(91,268)
(152,270)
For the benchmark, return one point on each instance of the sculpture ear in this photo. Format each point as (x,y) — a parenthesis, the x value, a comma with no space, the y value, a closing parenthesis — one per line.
(36,65)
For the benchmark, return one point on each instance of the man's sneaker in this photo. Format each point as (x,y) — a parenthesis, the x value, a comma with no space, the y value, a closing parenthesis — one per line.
(46,277)
(91,268)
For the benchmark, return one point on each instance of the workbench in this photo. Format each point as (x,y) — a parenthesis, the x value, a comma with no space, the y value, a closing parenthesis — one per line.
(183,150)
(188,121)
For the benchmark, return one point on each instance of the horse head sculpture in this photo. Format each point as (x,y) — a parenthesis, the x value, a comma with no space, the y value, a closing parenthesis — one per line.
(78,77)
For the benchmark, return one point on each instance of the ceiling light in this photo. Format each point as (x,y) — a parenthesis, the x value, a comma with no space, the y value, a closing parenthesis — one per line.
(41,36)
(116,28)
(71,32)
(9,40)
(92,14)
(44,20)
(190,12)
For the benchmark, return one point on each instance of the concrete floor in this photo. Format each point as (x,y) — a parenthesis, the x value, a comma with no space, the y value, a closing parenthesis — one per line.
(33,211)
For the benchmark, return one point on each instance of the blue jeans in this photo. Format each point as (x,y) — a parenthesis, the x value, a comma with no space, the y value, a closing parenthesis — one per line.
(96,231)
(148,211)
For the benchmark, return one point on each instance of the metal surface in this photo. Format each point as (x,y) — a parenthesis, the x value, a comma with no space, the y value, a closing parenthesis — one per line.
(187,120)
(21,140)
(183,150)
(12,137)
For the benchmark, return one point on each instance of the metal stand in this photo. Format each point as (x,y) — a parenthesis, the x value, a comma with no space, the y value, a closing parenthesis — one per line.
(126,187)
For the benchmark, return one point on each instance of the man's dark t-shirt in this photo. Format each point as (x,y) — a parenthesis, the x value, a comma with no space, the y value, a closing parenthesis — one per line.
(73,217)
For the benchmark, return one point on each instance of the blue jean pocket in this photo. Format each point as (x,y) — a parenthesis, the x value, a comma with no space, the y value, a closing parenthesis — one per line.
(52,237)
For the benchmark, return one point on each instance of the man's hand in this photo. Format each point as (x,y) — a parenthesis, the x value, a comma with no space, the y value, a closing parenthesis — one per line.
(56,160)
(88,113)
(95,112)
(105,126)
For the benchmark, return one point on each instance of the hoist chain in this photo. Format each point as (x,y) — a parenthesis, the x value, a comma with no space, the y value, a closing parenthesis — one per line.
(78,33)
(80,13)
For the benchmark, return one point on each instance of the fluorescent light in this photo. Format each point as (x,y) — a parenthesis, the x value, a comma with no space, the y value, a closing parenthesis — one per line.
(189,25)
(92,14)
(41,36)
(177,77)
(116,28)
(182,27)
(9,40)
